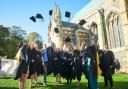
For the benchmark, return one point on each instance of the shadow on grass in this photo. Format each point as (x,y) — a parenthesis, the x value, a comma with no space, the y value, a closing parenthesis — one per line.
(8,88)
(6,77)
(117,85)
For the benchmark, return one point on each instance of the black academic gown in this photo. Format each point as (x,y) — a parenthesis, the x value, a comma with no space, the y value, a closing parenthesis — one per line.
(39,67)
(68,66)
(22,65)
(107,60)
(32,65)
(78,68)
(57,63)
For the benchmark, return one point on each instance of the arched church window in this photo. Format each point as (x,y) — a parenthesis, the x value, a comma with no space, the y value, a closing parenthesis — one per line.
(115,31)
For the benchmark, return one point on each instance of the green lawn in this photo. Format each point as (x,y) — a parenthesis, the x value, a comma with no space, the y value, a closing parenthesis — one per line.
(120,82)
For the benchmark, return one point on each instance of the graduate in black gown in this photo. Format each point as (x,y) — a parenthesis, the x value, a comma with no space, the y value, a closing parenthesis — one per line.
(63,60)
(107,66)
(38,63)
(31,51)
(21,70)
(78,68)
(91,68)
(50,65)
(68,66)
(58,65)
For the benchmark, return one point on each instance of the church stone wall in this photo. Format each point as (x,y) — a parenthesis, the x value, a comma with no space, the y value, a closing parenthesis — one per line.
(121,8)
(118,6)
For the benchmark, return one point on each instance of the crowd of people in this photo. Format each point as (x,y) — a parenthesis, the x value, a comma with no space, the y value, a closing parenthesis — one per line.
(69,63)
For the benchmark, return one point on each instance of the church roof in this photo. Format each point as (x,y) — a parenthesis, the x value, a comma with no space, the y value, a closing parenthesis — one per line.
(71,25)
(92,5)
(68,24)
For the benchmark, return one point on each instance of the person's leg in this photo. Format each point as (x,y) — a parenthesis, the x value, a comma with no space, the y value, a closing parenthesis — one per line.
(78,80)
(67,81)
(30,85)
(35,78)
(70,81)
(20,83)
(67,78)
(59,76)
(87,75)
(56,78)
(110,80)
(45,73)
(24,80)
(105,81)
(31,80)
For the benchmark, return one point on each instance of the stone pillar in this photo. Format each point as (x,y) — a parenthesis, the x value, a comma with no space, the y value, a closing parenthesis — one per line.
(103,28)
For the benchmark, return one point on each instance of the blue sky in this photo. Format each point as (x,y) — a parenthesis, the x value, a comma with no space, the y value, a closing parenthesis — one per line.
(17,13)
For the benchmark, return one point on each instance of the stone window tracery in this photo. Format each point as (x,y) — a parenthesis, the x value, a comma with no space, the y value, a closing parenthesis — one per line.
(115,31)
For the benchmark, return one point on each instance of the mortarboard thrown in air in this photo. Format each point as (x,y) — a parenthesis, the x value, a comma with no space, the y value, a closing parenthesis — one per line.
(50,12)
(67,14)
(82,22)
(33,19)
(56,30)
(39,16)
(67,39)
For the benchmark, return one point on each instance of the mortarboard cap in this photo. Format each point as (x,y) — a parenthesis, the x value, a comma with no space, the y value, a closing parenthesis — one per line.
(67,14)
(82,22)
(39,16)
(50,12)
(56,30)
(33,18)
(67,39)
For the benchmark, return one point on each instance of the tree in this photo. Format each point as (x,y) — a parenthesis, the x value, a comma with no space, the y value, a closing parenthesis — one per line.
(35,37)
(17,34)
(9,40)
(4,37)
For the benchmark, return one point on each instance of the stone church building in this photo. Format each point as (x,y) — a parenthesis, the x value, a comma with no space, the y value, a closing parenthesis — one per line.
(106,18)
(111,19)
(59,30)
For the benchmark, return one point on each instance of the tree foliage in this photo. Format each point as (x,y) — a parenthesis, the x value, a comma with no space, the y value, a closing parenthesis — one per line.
(9,40)
(10,37)
(4,38)
(35,37)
